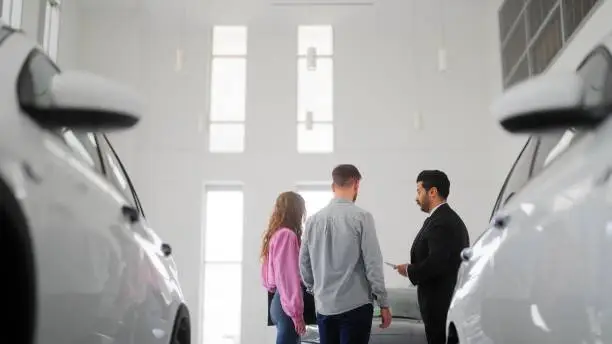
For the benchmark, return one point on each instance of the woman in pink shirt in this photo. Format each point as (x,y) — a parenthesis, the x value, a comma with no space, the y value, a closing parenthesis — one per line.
(280,271)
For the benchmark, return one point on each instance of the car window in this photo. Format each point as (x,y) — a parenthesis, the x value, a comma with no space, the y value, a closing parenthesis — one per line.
(33,86)
(519,175)
(552,145)
(85,146)
(117,174)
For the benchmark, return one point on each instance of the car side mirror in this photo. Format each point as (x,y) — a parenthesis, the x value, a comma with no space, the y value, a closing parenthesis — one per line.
(546,102)
(85,101)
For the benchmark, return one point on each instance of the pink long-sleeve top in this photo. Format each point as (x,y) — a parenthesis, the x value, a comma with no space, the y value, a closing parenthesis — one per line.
(280,271)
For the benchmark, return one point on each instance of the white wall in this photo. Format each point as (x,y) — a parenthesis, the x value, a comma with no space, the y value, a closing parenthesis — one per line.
(385,67)
(67,51)
(32,18)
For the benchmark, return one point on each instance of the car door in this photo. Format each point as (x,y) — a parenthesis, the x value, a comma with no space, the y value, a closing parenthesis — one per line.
(153,281)
(548,266)
(76,224)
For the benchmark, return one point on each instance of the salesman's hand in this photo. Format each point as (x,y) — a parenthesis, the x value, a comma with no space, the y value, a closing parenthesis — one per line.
(385,316)
(402,269)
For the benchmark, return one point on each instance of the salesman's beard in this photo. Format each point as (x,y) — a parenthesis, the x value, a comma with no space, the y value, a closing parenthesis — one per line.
(424,205)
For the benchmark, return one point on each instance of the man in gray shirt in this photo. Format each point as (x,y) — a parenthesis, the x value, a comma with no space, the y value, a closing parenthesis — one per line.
(341,263)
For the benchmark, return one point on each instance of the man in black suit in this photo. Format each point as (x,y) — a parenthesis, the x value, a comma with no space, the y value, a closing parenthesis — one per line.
(435,254)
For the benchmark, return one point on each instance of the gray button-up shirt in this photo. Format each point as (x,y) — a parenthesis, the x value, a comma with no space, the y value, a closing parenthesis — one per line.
(340,259)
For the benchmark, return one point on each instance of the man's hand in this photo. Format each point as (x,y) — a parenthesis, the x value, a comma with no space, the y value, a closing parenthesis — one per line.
(402,269)
(385,316)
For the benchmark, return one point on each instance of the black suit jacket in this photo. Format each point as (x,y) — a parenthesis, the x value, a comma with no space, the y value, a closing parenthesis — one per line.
(435,258)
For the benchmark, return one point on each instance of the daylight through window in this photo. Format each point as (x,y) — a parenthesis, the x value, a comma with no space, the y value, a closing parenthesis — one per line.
(315,105)
(11,12)
(228,90)
(223,264)
(52,25)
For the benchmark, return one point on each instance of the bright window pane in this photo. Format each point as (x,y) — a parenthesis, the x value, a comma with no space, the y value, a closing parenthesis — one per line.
(319,139)
(228,89)
(4,10)
(11,12)
(51,37)
(222,303)
(316,199)
(229,40)
(78,147)
(224,226)
(16,13)
(226,138)
(315,90)
(319,37)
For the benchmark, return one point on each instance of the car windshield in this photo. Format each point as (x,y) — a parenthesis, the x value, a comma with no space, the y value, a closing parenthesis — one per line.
(403,303)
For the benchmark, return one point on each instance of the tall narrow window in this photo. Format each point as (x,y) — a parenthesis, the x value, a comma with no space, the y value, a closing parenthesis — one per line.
(223,265)
(315,196)
(52,25)
(315,108)
(228,90)
(11,11)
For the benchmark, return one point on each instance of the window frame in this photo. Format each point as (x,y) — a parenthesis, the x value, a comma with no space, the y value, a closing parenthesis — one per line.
(14,12)
(303,123)
(207,263)
(224,122)
(51,30)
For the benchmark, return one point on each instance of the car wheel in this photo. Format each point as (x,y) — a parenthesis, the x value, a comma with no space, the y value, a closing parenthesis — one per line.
(17,250)
(181,333)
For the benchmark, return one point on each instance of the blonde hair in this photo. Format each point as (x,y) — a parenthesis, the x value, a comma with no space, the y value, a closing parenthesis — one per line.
(289,212)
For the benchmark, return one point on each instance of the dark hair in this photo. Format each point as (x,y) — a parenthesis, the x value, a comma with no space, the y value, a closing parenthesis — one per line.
(345,175)
(437,179)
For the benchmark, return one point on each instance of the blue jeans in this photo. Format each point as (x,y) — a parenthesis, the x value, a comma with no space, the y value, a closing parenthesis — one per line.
(352,327)
(285,329)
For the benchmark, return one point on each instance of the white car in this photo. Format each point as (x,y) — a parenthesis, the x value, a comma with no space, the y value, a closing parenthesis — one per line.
(79,260)
(542,272)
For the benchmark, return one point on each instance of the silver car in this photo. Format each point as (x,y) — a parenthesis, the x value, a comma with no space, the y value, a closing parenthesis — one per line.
(407,326)
(541,272)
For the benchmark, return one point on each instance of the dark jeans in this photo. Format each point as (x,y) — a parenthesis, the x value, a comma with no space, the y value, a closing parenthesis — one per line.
(352,327)
(285,329)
